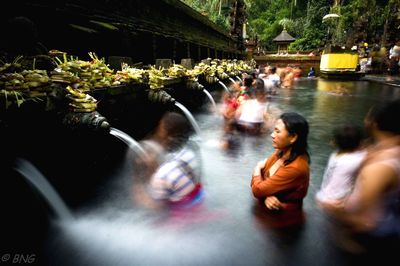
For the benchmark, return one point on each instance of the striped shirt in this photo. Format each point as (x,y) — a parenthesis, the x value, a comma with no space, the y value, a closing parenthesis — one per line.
(176,177)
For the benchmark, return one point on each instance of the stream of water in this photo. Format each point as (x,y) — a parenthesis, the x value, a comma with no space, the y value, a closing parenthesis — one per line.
(228,229)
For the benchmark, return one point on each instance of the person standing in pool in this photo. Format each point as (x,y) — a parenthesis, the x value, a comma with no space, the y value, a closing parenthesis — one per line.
(281,181)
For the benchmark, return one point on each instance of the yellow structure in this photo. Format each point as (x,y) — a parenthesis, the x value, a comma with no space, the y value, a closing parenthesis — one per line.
(339,62)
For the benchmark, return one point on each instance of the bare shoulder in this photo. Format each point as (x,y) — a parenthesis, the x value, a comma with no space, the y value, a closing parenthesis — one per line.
(379,175)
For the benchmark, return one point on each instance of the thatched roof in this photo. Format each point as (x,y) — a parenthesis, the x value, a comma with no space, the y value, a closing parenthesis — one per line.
(284,37)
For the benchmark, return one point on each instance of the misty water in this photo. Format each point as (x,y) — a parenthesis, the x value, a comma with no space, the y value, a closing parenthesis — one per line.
(209,96)
(128,140)
(226,230)
(224,86)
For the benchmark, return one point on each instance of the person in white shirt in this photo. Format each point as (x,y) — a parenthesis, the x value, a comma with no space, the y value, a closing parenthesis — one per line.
(274,77)
(251,114)
(341,170)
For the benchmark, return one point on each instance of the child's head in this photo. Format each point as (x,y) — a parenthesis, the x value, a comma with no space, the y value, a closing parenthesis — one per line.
(259,89)
(174,130)
(347,137)
(248,81)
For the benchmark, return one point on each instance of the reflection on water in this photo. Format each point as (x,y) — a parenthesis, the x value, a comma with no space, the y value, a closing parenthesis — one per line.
(227,230)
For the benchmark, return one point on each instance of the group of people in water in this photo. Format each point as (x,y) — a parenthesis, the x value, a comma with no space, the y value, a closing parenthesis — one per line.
(246,108)
(360,190)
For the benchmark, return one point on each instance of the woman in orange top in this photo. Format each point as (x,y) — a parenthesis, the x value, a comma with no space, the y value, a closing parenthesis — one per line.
(281,181)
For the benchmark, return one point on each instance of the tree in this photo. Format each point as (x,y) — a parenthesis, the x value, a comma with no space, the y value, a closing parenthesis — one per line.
(372,21)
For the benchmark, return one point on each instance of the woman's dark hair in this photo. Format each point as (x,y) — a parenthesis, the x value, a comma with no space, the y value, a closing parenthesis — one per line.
(248,81)
(347,137)
(386,116)
(296,124)
(259,86)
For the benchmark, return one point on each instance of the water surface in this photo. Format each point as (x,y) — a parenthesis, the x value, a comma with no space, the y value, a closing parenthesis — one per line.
(227,229)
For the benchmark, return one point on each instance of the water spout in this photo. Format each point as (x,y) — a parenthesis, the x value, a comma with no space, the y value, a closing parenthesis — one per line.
(224,86)
(232,80)
(239,79)
(133,144)
(211,98)
(32,174)
(160,96)
(190,117)
(92,121)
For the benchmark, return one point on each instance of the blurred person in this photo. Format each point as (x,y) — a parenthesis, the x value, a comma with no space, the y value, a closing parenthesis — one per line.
(230,102)
(229,108)
(394,59)
(176,179)
(281,181)
(251,115)
(311,73)
(246,89)
(230,138)
(274,77)
(297,72)
(268,85)
(287,77)
(339,176)
(371,213)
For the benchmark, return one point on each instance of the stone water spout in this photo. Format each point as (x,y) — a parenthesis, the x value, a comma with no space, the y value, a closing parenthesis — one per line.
(160,96)
(195,85)
(92,120)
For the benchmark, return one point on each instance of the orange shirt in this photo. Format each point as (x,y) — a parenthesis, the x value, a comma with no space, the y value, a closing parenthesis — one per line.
(289,183)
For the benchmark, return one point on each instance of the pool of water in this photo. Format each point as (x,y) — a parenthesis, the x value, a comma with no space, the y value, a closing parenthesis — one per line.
(227,229)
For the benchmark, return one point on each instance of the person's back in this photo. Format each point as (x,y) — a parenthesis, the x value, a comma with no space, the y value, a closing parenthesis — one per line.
(245,90)
(269,87)
(176,181)
(274,77)
(251,115)
(340,172)
(372,211)
(311,74)
(287,81)
(381,161)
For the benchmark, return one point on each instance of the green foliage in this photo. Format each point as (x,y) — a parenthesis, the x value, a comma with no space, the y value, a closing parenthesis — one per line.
(311,40)
(360,20)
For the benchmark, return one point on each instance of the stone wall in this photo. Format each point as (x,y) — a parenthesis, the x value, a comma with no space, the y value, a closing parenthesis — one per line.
(142,30)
